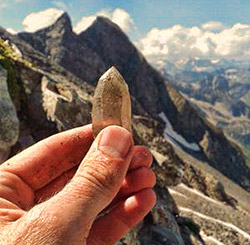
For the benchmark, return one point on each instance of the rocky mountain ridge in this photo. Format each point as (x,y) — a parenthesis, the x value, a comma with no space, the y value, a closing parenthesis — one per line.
(196,64)
(54,83)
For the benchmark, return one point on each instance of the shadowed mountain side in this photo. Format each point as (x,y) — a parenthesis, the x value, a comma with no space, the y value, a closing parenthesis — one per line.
(62,46)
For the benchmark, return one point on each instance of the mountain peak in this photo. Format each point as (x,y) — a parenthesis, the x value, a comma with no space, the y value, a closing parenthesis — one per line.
(102,23)
(106,21)
(52,35)
(107,39)
(63,22)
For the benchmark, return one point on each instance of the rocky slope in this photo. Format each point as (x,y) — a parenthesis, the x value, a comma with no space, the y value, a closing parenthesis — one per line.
(53,85)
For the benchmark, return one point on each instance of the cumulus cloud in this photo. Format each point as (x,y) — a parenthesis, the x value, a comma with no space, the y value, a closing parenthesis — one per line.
(118,16)
(123,19)
(38,20)
(83,24)
(211,40)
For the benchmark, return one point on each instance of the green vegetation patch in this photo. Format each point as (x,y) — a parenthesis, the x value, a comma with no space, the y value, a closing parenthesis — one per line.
(14,85)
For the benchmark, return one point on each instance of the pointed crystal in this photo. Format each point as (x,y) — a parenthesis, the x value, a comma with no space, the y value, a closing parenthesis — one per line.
(111,102)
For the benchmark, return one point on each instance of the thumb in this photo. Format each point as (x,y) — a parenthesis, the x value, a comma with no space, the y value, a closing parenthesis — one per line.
(99,176)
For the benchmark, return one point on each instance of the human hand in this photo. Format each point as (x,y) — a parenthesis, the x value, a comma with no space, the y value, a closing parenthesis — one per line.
(55,191)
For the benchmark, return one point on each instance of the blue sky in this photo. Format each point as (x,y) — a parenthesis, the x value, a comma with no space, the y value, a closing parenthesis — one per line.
(161,29)
(145,13)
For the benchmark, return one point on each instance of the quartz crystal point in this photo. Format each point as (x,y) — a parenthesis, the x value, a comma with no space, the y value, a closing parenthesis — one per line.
(111,102)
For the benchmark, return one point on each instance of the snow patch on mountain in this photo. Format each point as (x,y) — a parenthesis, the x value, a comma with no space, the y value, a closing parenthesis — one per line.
(176,138)
(227,224)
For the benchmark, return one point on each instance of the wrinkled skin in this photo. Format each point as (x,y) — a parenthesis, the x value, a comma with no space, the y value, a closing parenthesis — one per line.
(72,189)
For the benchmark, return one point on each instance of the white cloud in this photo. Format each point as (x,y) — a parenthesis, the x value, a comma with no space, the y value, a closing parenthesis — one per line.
(118,16)
(211,40)
(84,23)
(123,19)
(213,26)
(60,4)
(38,20)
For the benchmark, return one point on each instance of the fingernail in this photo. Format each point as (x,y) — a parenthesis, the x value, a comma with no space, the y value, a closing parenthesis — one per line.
(115,141)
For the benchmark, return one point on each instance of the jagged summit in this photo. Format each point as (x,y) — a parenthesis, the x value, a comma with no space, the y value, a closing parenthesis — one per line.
(102,21)
(109,41)
(104,37)
(62,25)
(114,47)
(61,29)
(63,22)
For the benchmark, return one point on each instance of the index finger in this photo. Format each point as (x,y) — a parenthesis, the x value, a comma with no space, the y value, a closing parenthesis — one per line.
(39,164)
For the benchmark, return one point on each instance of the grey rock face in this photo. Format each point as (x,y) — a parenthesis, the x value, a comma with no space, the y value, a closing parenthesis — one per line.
(62,46)
(224,155)
(168,167)
(113,46)
(9,123)
(63,105)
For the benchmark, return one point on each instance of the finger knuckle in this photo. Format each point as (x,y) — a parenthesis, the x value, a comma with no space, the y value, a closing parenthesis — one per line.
(100,176)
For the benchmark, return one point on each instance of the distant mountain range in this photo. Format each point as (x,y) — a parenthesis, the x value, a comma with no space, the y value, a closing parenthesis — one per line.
(50,77)
(200,65)
(220,89)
